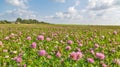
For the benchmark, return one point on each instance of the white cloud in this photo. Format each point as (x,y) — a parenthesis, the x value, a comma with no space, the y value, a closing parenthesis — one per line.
(60,15)
(102,8)
(18,3)
(13,14)
(101,4)
(71,13)
(21,10)
(95,12)
(62,1)
(72,10)
(77,3)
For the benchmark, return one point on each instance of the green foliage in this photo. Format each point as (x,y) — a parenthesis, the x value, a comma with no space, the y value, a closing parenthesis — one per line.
(23,21)
(5,22)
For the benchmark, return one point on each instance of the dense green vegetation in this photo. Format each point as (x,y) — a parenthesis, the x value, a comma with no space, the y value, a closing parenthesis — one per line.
(23,21)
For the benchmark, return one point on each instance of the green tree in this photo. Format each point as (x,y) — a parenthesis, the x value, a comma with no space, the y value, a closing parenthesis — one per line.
(19,20)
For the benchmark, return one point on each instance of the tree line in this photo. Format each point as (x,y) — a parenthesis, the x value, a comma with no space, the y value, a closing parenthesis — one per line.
(23,21)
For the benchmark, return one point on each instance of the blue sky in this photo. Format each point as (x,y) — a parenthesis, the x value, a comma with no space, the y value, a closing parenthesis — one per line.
(100,12)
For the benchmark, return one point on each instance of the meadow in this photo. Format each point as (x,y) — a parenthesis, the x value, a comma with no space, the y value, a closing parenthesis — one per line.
(49,45)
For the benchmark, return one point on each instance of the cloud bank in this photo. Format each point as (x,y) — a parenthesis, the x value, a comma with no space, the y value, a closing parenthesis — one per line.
(21,10)
(95,12)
